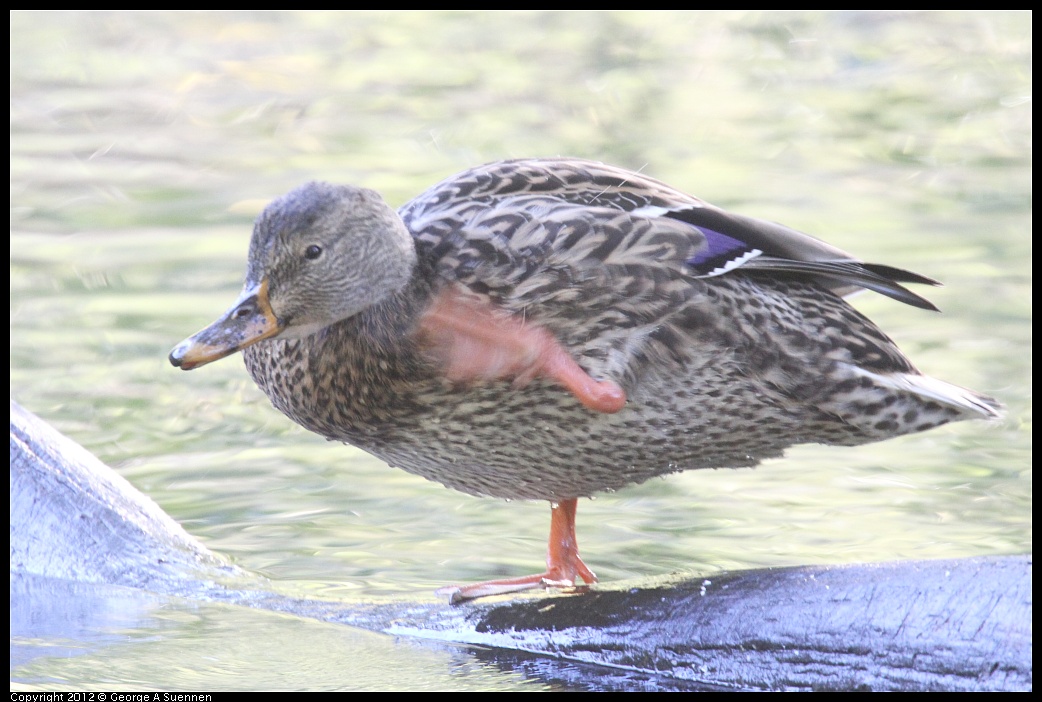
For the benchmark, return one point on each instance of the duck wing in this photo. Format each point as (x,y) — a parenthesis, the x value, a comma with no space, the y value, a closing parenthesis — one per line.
(620,269)
(551,223)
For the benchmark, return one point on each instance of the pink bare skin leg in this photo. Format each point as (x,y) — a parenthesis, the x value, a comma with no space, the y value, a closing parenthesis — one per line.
(477,343)
(563,564)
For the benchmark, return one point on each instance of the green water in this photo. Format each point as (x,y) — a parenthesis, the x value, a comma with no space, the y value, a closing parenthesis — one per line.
(143,144)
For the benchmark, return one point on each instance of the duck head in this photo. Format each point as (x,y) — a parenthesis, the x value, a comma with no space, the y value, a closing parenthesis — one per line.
(318,255)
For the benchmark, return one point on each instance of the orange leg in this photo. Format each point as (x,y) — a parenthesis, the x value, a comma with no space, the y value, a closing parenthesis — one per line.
(563,564)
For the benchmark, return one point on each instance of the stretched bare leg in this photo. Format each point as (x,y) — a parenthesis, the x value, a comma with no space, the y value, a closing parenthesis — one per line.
(563,564)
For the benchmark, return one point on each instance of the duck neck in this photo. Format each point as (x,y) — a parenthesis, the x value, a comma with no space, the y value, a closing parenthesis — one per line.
(387,327)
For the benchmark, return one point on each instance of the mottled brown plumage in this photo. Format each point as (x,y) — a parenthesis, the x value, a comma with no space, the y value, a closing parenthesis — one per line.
(546,329)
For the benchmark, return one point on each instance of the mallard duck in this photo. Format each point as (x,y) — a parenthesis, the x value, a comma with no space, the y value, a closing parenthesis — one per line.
(550,328)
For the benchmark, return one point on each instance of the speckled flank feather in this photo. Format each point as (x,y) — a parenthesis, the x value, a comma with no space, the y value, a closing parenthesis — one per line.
(720,367)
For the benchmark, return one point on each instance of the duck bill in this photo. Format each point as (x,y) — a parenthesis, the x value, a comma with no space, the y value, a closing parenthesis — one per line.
(248,321)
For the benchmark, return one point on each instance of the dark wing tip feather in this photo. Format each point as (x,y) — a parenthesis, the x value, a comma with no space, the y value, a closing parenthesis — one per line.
(843,276)
(736,242)
(900,275)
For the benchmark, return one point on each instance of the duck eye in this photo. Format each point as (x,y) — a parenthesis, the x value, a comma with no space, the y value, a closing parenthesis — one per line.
(312,252)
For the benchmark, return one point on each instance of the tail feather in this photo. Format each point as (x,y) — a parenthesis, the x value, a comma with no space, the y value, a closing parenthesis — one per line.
(968,401)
